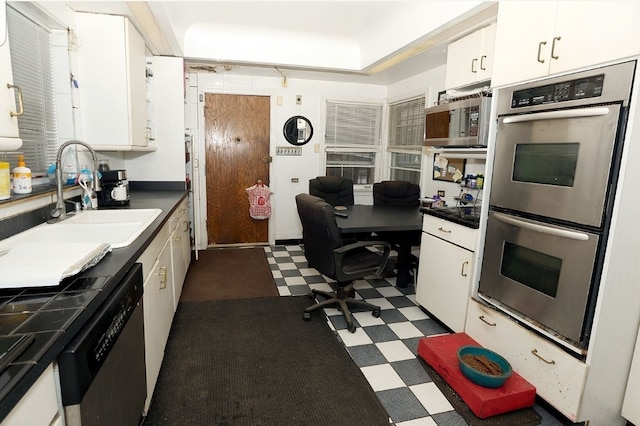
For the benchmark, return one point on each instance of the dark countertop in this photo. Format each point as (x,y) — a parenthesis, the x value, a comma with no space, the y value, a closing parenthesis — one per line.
(465,216)
(76,300)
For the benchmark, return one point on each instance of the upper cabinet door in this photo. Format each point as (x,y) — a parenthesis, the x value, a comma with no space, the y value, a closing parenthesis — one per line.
(535,39)
(9,133)
(524,28)
(469,59)
(593,32)
(112,82)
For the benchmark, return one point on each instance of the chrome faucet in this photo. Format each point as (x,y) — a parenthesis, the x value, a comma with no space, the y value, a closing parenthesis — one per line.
(60,212)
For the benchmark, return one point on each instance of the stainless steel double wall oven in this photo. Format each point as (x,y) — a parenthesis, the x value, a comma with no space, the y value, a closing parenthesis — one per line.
(557,156)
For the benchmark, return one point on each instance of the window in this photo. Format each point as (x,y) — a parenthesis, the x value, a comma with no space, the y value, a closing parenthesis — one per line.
(32,71)
(406,132)
(352,140)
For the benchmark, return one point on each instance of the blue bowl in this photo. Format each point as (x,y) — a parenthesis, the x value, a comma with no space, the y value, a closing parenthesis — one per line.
(481,378)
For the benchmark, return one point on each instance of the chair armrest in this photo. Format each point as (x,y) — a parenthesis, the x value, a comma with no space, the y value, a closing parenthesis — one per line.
(340,253)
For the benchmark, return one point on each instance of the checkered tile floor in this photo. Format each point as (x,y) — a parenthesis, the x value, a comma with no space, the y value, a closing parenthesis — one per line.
(384,348)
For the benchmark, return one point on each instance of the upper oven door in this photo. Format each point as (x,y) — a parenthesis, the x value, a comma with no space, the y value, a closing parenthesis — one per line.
(556,163)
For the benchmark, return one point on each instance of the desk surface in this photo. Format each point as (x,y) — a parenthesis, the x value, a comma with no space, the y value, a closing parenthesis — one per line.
(379,218)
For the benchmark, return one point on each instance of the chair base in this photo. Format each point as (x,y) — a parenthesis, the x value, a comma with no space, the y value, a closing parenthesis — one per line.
(341,300)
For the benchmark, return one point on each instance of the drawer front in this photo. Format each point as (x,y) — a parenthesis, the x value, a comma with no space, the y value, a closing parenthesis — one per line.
(457,234)
(558,377)
(149,256)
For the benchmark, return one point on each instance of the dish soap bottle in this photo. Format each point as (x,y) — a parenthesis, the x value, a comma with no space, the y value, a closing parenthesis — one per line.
(21,177)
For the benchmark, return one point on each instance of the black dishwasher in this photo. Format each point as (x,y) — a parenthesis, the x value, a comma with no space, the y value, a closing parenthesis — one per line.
(102,370)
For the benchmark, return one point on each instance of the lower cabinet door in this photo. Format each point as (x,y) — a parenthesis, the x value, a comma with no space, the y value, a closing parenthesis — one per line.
(444,280)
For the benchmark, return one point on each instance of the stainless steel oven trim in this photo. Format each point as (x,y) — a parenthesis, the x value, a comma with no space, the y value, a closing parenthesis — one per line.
(617,83)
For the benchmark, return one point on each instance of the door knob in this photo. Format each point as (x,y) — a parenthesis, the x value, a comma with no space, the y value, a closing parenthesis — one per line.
(267,159)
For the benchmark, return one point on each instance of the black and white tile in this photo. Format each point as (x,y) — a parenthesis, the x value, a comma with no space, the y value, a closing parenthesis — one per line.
(384,348)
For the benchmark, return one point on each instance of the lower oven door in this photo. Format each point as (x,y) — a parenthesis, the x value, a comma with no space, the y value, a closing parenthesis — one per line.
(542,271)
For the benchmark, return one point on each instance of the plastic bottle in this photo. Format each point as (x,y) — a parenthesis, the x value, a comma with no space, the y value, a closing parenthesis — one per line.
(5,185)
(21,177)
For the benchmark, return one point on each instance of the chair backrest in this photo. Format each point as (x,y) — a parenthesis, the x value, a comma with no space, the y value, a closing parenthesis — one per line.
(335,190)
(399,193)
(320,234)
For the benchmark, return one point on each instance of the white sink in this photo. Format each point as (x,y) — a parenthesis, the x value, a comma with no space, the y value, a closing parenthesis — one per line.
(119,228)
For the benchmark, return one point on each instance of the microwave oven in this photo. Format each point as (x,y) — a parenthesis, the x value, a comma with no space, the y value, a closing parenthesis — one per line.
(459,122)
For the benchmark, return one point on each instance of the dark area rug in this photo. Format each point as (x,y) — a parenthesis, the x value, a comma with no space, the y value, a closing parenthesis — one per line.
(256,362)
(523,417)
(208,277)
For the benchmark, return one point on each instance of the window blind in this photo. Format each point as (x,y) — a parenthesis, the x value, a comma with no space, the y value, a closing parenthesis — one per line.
(352,124)
(32,71)
(406,124)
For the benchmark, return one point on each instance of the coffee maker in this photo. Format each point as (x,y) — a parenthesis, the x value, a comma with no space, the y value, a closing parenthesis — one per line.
(115,188)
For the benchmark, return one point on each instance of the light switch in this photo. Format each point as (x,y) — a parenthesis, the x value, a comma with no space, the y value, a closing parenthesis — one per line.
(316,147)
(279,100)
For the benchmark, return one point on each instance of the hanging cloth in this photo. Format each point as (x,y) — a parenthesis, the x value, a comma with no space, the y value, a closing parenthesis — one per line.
(259,204)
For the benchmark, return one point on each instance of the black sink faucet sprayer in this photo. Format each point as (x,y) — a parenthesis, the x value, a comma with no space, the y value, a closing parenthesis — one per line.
(59,212)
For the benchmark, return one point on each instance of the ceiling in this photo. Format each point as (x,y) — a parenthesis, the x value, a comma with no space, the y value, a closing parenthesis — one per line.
(378,42)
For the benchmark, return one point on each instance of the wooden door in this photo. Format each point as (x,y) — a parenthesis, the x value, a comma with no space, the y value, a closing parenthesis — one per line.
(237,152)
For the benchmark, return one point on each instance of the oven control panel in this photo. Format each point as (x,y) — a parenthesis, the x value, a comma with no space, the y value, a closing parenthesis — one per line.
(581,88)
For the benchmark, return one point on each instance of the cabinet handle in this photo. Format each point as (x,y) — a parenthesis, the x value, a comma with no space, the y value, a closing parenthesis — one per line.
(462,272)
(163,277)
(446,231)
(535,353)
(542,43)
(482,67)
(186,226)
(473,61)
(20,103)
(491,324)
(553,48)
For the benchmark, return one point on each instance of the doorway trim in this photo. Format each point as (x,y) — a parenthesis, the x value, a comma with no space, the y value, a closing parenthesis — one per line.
(200,181)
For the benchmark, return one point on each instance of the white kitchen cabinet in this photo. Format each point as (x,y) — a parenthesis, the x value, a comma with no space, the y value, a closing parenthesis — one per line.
(112,82)
(559,377)
(446,270)
(180,249)
(9,133)
(158,304)
(630,406)
(39,406)
(536,39)
(470,59)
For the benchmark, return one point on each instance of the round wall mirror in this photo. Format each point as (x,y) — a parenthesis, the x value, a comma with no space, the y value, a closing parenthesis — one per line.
(298,130)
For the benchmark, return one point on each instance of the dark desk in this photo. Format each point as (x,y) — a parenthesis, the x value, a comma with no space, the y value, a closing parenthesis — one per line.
(365,219)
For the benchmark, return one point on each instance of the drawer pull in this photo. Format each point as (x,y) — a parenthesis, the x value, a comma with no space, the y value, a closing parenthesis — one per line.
(462,272)
(535,353)
(492,324)
(446,231)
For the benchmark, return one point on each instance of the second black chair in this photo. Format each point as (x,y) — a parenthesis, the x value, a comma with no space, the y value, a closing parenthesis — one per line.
(335,190)
(326,252)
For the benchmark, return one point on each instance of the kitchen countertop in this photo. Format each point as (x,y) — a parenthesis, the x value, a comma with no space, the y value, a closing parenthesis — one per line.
(71,304)
(462,215)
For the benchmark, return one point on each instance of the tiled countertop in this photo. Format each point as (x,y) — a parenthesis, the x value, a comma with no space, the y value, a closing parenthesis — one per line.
(55,314)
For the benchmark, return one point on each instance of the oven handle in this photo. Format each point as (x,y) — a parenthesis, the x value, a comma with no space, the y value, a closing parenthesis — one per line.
(552,115)
(574,235)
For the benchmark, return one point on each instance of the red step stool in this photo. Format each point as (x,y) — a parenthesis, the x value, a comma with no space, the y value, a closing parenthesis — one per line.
(441,353)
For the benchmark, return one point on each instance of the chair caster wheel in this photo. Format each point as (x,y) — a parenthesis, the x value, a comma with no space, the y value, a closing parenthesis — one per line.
(351,328)
(306,316)
(376,313)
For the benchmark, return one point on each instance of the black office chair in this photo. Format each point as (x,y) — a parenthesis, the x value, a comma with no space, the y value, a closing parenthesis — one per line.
(335,190)
(398,193)
(326,252)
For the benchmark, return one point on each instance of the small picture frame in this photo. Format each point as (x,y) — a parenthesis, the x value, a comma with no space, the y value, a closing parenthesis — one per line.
(442,96)
(448,169)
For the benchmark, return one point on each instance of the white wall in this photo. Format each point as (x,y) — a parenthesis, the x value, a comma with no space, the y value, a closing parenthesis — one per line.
(284,223)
